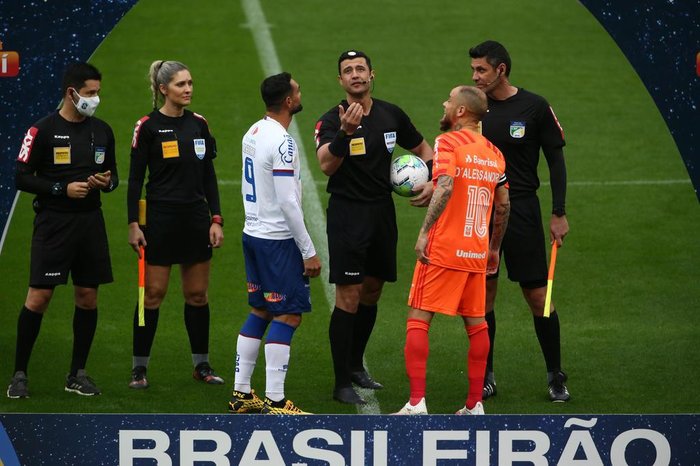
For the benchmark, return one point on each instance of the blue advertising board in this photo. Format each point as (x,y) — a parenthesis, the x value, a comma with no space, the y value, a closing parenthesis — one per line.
(355,440)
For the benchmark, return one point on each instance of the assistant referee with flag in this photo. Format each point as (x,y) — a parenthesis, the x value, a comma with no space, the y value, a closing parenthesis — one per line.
(183,213)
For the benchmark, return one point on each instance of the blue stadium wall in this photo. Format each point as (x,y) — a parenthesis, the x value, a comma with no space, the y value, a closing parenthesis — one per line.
(660,39)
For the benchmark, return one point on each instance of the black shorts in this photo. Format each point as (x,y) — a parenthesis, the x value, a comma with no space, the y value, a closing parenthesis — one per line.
(362,240)
(523,245)
(69,242)
(177,234)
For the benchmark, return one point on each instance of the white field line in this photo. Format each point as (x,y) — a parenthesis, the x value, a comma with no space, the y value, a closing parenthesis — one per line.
(314,215)
(9,218)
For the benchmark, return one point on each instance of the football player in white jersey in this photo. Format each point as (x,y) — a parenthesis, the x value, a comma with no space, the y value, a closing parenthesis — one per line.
(279,254)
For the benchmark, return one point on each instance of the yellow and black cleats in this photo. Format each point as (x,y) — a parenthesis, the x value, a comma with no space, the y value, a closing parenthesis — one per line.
(242,403)
(281,407)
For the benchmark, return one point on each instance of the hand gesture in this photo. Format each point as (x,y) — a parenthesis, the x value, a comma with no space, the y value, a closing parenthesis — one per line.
(350,119)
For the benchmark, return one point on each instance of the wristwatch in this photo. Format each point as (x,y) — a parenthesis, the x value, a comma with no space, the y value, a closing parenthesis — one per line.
(57,189)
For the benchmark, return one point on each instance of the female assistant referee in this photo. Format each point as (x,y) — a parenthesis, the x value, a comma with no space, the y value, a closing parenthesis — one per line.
(183,216)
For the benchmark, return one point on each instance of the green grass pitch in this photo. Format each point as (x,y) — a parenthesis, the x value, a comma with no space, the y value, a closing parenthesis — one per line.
(627,278)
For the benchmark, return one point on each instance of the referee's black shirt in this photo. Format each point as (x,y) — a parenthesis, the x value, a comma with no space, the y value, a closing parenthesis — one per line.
(56,150)
(365,177)
(519,126)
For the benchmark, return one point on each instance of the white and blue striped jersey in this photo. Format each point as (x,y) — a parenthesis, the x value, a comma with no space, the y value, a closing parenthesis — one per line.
(271,186)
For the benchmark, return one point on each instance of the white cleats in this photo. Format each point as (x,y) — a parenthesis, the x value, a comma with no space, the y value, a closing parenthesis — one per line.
(478,409)
(409,409)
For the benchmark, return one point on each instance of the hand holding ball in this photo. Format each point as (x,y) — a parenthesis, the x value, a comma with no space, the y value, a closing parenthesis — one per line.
(407,172)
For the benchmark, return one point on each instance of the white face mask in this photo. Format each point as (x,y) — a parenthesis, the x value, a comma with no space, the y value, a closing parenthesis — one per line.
(86,106)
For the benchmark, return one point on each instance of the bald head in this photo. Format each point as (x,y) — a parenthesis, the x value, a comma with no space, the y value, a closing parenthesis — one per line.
(473,99)
(466,106)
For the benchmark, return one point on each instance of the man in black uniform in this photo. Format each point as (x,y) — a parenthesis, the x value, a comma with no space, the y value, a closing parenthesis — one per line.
(354,145)
(519,123)
(66,159)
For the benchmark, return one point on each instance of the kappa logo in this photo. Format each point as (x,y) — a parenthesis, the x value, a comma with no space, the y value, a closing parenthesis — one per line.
(27,143)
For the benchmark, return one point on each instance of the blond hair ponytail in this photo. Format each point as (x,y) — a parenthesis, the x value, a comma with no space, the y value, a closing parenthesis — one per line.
(161,72)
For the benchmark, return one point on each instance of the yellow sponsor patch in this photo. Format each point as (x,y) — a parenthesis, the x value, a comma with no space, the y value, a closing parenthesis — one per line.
(357,146)
(61,155)
(170,149)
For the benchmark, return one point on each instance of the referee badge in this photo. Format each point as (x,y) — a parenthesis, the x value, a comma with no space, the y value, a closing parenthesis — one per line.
(99,155)
(390,141)
(517,129)
(200,148)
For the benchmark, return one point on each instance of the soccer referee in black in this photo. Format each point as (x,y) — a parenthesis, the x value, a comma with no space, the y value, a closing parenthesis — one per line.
(520,123)
(354,145)
(174,146)
(66,159)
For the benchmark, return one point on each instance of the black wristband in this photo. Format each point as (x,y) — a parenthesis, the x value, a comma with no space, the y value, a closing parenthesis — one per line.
(429,163)
(58,189)
(339,146)
(559,212)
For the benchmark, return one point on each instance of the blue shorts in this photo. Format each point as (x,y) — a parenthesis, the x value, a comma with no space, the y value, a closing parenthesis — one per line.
(275,275)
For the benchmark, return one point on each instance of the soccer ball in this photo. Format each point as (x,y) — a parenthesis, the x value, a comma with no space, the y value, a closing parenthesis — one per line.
(407,172)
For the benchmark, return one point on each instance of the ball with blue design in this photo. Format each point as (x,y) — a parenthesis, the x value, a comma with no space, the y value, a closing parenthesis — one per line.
(407,172)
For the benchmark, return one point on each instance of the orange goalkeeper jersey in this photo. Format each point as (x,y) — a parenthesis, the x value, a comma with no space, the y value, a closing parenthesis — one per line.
(459,239)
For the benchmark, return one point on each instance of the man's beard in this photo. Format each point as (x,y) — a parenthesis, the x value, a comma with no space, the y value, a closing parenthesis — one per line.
(445,124)
(296,110)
